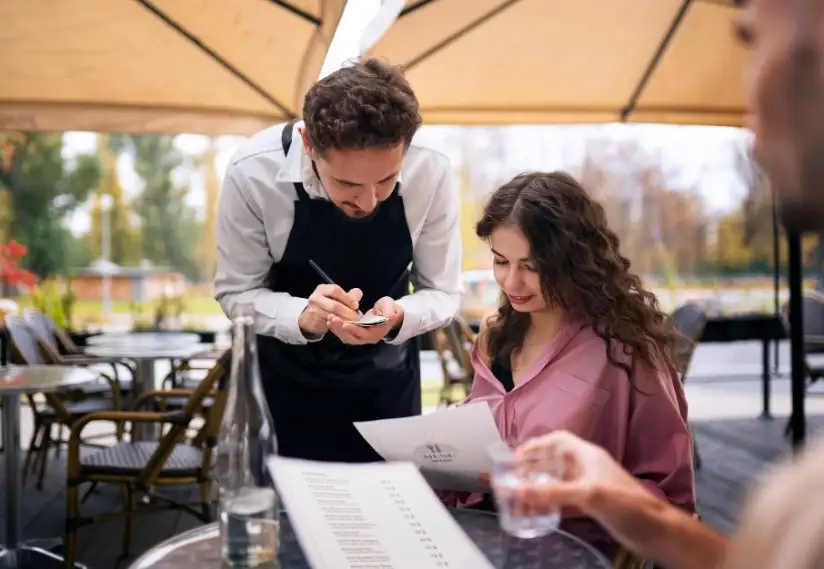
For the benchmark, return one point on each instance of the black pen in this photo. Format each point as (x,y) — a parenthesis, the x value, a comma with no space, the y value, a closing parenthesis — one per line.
(326,278)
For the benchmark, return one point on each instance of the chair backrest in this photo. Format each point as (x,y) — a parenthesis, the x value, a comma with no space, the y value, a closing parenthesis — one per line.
(214,385)
(39,324)
(453,344)
(460,339)
(690,319)
(24,342)
(64,342)
(812,316)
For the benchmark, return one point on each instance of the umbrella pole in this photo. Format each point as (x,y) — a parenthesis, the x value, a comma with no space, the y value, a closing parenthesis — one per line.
(776,245)
(798,423)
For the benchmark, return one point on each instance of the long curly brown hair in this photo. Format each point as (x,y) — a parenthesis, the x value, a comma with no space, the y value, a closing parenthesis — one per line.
(581,270)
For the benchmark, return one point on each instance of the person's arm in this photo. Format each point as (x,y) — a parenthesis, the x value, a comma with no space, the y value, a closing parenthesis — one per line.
(244,261)
(660,531)
(436,266)
(590,480)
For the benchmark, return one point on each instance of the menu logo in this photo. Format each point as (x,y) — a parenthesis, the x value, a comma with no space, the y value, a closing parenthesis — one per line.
(436,453)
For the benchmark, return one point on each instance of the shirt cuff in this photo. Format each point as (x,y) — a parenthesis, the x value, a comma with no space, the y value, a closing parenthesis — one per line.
(411,325)
(286,317)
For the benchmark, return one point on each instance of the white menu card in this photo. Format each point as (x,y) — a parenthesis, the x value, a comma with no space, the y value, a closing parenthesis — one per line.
(370,516)
(451,446)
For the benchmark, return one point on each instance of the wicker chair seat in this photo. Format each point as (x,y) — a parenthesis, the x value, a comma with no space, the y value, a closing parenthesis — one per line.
(129,458)
(78,408)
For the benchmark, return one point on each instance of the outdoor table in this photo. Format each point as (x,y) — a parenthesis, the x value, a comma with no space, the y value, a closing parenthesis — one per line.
(145,349)
(14,382)
(147,338)
(200,548)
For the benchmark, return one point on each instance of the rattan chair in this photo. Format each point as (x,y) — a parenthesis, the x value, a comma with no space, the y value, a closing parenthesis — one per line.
(453,344)
(50,410)
(143,469)
(690,319)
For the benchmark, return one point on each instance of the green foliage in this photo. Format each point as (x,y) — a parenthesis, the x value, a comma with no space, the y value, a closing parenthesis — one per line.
(41,189)
(56,301)
(124,238)
(152,316)
(170,229)
(207,250)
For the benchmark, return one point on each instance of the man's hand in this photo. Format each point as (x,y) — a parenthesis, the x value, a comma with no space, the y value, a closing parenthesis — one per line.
(593,483)
(355,335)
(326,301)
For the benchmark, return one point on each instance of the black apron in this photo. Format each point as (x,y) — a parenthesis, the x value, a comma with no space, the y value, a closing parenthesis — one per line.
(315,391)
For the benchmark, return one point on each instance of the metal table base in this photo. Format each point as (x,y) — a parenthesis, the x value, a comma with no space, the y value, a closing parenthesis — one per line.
(14,552)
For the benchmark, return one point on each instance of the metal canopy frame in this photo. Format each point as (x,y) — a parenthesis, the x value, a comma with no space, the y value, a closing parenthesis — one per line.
(628,109)
(220,60)
(656,58)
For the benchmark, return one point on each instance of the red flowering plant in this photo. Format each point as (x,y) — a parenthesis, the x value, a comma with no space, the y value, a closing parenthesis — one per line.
(10,273)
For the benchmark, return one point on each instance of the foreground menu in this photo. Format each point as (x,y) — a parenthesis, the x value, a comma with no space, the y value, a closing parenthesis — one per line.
(370,516)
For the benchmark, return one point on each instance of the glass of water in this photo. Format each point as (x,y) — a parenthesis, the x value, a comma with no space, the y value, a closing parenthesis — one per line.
(509,477)
(249,526)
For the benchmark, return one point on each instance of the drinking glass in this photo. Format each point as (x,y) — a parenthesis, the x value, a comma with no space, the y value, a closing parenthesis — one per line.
(509,477)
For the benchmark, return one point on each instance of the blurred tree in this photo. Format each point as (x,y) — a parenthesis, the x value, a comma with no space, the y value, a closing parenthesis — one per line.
(125,240)
(756,218)
(661,229)
(207,250)
(41,189)
(169,229)
(475,252)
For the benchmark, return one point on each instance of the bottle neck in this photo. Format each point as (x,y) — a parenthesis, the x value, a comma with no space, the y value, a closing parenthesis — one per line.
(245,380)
(244,348)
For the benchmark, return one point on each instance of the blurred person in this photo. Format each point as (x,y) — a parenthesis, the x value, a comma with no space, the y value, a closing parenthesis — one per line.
(348,189)
(785,88)
(786,102)
(577,343)
(781,526)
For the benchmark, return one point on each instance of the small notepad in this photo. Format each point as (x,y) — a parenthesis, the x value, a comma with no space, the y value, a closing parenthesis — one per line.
(370,320)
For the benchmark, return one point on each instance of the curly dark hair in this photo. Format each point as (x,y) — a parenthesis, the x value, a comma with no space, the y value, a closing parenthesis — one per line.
(581,270)
(366,105)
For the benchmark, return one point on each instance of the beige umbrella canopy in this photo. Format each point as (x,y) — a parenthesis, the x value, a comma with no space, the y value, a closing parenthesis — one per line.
(141,66)
(570,61)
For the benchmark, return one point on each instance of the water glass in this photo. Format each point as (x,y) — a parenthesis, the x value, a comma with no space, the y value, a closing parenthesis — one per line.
(509,477)
(249,527)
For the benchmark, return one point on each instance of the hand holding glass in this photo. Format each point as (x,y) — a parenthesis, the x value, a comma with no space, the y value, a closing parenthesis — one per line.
(510,476)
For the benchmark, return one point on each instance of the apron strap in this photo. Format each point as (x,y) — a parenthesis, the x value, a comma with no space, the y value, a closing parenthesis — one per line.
(286,141)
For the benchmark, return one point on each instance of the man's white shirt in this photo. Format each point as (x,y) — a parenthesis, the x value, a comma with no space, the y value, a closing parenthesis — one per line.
(255,217)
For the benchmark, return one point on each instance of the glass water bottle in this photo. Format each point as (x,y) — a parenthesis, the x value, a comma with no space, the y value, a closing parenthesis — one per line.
(249,507)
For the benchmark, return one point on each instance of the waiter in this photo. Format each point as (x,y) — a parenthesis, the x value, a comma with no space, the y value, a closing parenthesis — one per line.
(346,189)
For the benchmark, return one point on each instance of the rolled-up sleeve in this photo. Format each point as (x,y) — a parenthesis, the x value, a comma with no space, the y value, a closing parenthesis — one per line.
(436,266)
(244,261)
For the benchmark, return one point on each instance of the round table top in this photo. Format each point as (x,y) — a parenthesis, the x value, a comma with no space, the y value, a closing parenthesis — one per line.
(200,548)
(134,339)
(147,350)
(43,378)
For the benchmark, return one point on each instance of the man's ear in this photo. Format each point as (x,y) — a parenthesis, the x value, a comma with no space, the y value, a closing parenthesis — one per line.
(307,147)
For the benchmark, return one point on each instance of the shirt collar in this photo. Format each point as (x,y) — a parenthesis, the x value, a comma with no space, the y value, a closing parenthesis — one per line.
(298,166)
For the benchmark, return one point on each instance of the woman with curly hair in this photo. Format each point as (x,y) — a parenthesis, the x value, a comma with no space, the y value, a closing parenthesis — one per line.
(577,343)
